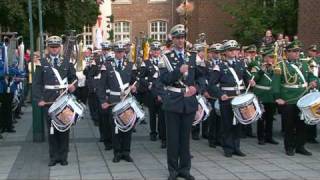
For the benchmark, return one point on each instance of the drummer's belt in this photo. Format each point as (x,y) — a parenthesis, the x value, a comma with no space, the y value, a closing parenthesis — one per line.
(119,93)
(235,88)
(295,86)
(177,90)
(262,87)
(55,87)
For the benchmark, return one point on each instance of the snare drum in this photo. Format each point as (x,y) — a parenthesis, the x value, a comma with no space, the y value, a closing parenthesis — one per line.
(309,106)
(126,113)
(203,112)
(65,112)
(246,108)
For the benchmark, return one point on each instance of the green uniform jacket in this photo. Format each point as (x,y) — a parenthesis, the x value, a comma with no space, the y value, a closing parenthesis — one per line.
(292,92)
(263,86)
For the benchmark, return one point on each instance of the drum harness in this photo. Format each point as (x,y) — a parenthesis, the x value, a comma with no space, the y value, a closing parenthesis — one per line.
(125,93)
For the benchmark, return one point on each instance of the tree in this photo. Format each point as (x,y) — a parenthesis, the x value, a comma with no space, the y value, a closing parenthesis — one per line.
(58,15)
(253,17)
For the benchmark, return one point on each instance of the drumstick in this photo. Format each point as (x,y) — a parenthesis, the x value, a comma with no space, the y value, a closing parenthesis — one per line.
(249,85)
(65,91)
(124,97)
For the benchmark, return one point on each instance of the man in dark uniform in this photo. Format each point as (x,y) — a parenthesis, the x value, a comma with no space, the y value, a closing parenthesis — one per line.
(214,121)
(154,91)
(202,68)
(291,80)
(231,75)
(3,87)
(47,87)
(178,75)
(117,81)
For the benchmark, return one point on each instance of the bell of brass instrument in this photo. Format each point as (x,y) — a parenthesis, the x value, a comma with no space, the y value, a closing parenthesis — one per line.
(80,58)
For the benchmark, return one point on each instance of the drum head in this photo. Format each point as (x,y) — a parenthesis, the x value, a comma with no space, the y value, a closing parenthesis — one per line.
(241,99)
(127,116)
(199,114)
(308,99)
(67,115)
(248,112)
(59,103)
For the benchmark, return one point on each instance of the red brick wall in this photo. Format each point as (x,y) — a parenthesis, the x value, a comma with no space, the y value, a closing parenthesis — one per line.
(309,23)
(207,17)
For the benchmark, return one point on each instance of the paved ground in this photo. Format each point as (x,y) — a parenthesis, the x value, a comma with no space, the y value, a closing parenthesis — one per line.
(20,158)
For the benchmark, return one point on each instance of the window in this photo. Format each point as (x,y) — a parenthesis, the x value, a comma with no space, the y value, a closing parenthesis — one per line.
(158,30)
(157,1)
(121,30)
(87,36)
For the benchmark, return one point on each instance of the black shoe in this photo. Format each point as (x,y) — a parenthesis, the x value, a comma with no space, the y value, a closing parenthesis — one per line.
(217,143)
(272,141)
(153,137)
(313,141)
(172,177)
(64,163)
(212,144)
(239,153)
(108,147)
(11,130)
(18,117)
(303,151)
(261,142)
(163,144)
(116,158)
(228,155)
(52,163)
(290,152)
(127,158)
(205,136)
(1,137)
(186,176)
(195,137)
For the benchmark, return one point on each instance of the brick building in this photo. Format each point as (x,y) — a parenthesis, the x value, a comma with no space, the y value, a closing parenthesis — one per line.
(156,17)
(308,21)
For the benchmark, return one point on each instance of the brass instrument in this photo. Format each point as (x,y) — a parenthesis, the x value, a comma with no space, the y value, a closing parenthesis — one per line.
(80,58)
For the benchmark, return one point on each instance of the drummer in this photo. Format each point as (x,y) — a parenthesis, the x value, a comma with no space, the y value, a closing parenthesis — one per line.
(110,93)
(46,88)
(292,80)
(231,75)
(263,76)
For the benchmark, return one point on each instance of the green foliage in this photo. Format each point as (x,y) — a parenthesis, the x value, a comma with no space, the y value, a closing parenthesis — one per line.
(58,15)
(253,17)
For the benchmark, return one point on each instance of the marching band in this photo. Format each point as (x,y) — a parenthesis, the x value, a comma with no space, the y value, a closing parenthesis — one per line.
(217,91)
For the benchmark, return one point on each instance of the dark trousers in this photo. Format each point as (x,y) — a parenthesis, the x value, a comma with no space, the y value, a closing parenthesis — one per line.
(6,110)
(294,128)
(94,106)
(105,125)
(311,132)
(178,141)
(230,132)
(265,124)
(214,126)
(58,141)
(82,94)
(156,112)
(121,141)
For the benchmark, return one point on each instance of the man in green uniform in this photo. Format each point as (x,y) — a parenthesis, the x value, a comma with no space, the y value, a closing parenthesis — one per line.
(263,76)
(291,81)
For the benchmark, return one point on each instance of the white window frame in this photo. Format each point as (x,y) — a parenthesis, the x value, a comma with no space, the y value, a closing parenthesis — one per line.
(122,34)
(122,2)
(87,32)
(158,33)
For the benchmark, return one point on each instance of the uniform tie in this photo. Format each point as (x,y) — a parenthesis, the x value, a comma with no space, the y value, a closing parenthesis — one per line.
(55,62)
(119,66)
(181,57)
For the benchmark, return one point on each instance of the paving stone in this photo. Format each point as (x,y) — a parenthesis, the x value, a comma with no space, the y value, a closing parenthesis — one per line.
(251,175)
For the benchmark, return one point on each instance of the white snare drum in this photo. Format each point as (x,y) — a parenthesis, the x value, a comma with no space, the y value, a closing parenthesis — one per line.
(65,112)
(203,112)
(309,106)
(217,107)
(246,108)
(126,113)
